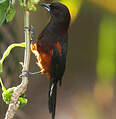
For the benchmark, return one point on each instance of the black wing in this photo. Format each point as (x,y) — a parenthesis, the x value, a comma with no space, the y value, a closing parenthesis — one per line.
(57,71)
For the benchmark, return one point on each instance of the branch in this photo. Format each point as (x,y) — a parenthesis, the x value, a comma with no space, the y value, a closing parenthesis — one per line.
(20,89)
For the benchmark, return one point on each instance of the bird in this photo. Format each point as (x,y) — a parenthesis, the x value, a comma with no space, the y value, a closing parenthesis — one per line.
(50,48)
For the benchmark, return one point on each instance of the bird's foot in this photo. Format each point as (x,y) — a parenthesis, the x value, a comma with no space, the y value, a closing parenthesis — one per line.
(28,74)
(24,74)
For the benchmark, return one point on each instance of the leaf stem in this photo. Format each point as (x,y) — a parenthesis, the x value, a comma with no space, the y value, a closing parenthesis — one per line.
(8,50)
(3,88)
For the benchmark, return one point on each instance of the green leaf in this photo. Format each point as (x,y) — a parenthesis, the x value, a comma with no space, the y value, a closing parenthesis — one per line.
(3,10)
(23,101)
(10,14)
(1,1)
(21,3)
(32,4)
(7,95)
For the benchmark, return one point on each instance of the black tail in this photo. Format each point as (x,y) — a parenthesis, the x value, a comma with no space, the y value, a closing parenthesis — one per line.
(52,97)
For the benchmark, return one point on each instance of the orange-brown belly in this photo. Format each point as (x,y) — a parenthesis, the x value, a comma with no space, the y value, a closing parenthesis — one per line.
(43,58)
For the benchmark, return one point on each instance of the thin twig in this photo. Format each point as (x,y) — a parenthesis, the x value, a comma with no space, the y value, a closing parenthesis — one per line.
(20,89)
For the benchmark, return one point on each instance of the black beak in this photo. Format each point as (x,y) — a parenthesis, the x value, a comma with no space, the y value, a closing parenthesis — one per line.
(45,5)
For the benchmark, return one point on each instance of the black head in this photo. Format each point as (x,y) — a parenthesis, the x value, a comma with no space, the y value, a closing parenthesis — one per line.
(57,11)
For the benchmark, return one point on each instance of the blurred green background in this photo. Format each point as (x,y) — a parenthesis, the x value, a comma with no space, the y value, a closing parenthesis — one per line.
(88,90)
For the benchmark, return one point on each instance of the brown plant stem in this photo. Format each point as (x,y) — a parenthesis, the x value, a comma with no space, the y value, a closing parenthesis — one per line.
(20,89)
